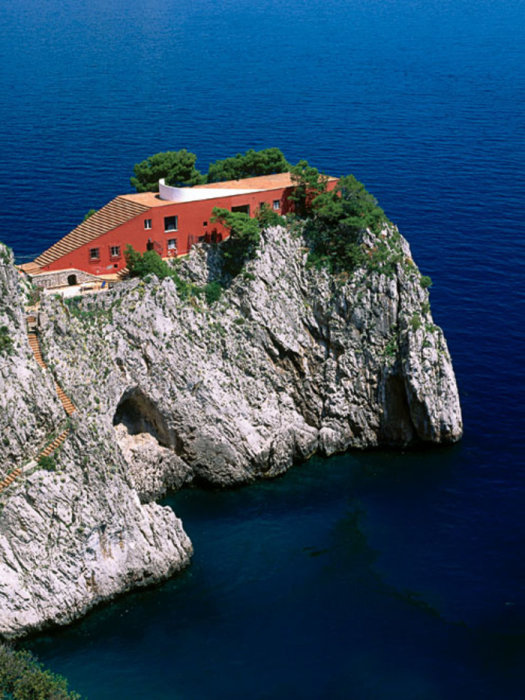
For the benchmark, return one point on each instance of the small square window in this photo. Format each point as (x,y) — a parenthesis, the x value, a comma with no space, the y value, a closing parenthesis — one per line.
(115,251)
(171,223)
(204,223)
(147,224)
(276,204)
(94,253)
(172,244)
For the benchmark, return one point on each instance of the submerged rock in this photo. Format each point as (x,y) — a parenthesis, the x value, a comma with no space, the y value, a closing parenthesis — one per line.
(289,362)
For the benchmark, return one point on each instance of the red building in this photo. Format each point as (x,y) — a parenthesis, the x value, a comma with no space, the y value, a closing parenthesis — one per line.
(169,222)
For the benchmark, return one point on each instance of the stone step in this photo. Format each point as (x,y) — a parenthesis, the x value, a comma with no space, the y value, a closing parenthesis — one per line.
(55,444)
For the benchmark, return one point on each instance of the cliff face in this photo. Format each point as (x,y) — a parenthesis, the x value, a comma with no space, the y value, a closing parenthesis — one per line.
(288,362)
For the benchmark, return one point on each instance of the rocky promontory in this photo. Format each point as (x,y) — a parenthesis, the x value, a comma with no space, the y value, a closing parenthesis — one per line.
(290,361)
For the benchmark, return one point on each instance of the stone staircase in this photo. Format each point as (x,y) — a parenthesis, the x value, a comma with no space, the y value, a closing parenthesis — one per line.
(69,406)
(10,478)
(35,347)
(46,452)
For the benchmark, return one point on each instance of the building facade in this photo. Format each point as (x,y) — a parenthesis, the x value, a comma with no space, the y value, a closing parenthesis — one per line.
(169,222)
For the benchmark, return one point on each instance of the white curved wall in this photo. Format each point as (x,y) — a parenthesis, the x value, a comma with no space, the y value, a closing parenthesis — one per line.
(194,194)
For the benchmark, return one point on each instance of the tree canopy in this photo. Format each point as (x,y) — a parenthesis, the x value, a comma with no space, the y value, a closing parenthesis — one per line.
(309,183)
(337,219)
(251,164)
(22,677)
(243,240)
(177,167)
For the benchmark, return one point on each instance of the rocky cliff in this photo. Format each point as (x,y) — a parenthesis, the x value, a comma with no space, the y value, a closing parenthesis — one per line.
(290,361)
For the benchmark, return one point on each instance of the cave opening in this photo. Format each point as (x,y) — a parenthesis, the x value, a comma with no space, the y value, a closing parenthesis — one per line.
(139,414)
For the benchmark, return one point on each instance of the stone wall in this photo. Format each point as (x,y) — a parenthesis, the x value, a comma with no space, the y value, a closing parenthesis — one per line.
(62,278)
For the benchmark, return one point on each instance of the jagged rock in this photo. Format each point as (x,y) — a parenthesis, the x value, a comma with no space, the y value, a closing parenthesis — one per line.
(288,362)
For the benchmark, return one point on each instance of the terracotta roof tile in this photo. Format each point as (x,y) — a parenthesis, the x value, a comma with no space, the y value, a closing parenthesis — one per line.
(115,213)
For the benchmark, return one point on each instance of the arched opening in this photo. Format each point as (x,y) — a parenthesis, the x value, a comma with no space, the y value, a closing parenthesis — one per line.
(71,280)
(138,414)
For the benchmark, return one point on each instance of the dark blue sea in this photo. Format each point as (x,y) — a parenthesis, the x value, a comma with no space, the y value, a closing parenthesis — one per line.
(382,575)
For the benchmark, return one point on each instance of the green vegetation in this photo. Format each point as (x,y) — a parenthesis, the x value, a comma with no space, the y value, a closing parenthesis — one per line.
(6,254)
(22,677)
(415,322)
(177,167)
(425,281)
(336,222)
(48,463)
(251,164)
(213,291)
(243,241)
(150,263)
(266,216)
(88,214)
(309,183)
(6,342)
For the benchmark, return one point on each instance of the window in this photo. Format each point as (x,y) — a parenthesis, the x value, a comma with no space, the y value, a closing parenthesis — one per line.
(171,223)
(172,244)
(94,253)
(276,204)
(114,251)
(204,223)
(147,224)
(242,208)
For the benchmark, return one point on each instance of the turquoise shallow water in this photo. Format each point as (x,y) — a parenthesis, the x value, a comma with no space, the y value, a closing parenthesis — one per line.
(377,575)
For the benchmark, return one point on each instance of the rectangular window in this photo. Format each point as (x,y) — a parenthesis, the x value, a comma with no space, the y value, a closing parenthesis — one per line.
(172,244)
(276,204)
(242,208)
(171,223)
(114,251)
(147,223)
(94,253)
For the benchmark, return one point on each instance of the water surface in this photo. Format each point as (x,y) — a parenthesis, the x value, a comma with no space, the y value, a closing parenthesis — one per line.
(374,575)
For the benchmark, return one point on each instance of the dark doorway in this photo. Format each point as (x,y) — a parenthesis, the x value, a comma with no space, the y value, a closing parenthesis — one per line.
(71,280)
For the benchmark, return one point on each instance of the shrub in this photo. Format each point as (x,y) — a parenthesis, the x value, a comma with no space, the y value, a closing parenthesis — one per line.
(22,677)
(212,292)
(425,281)
(48,463)
(415,322)
(337,220)
(266,216)
(6,342)
(243,241)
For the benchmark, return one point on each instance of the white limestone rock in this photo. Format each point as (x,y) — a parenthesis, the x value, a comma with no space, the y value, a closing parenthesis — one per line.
(289,362)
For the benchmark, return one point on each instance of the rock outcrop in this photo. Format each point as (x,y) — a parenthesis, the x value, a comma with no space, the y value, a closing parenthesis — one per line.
(289,362)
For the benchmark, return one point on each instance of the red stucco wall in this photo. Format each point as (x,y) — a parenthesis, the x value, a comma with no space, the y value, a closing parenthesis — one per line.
(193,224)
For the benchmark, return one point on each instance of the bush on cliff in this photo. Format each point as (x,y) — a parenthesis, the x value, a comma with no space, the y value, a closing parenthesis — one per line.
(243,241)
(335,224)
(22,677)
(6,342)
(150,263)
